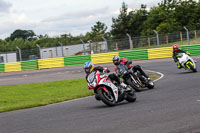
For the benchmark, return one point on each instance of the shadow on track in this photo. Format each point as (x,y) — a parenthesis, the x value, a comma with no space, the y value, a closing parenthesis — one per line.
(186,72)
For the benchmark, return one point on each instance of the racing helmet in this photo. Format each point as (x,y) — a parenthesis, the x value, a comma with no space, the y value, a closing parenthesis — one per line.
(116,60)
(175,48)
(88,66)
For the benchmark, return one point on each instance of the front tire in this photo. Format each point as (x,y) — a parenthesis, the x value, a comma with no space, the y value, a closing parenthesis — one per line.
(192,67)
(107,98)
(135,87)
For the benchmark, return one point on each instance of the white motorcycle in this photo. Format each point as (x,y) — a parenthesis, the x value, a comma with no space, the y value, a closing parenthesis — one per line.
(187,62)
(106,91)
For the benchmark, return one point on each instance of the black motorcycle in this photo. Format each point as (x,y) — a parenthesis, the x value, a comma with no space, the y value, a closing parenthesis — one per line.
(135,79)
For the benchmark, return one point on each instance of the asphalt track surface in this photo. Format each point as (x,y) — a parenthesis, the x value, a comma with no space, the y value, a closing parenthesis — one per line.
(172,107)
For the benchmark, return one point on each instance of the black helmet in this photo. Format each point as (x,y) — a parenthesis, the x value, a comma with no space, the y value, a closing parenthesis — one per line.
(88,66)
(116,60)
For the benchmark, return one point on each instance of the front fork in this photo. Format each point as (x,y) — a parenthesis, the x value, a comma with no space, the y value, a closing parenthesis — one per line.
(187,64)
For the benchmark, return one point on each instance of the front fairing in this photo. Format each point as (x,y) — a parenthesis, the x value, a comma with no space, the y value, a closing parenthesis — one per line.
(122,70)
(97,80)
(91,79)
(109,85)
(184,59)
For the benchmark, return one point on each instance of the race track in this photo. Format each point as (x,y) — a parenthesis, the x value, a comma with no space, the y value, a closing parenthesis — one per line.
(172,107)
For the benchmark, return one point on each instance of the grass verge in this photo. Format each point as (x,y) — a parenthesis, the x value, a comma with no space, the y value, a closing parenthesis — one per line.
(14,97)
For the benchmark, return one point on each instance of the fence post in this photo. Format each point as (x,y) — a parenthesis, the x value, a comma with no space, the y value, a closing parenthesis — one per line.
(167,39)
(39,50)
(61,48)
(84,52)
(157,38)
(106,43)
(149,42)
(188,38)
(90,44)
(20,54)
(195,33)
(129,37)
(116,46)
(181,36)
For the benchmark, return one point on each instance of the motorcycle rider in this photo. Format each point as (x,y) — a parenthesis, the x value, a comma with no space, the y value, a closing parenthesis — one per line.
(117,61)
(176,51)
(89,67)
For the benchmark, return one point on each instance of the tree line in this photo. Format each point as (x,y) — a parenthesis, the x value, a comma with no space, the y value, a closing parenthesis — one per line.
(168,16)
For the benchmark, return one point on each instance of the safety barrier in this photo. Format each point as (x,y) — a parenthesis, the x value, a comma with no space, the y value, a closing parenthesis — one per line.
(1,67)
(76,60)
(51,63)
(103,58)
(157,53)
(11,67)
(193,49)
(135,54)
(29,65)
(95,58)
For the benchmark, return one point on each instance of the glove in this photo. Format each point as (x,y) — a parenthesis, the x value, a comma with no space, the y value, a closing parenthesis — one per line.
(106,70)
(188,53)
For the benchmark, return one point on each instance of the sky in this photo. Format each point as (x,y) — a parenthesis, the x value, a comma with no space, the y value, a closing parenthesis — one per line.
(56,17)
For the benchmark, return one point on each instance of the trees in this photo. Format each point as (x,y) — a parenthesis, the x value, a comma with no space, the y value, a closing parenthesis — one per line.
(167,17)
(119,27)
(24,34)
(98,31)
(129,22)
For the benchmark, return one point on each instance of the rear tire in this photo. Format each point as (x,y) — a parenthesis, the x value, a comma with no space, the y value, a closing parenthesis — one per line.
(131,97)
(107,98)
(150,85)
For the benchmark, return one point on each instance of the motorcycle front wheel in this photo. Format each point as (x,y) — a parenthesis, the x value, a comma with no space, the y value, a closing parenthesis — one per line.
(192,67)
(107,97)
(135,86)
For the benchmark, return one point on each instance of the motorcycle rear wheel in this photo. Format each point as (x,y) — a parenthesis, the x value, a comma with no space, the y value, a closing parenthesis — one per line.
(131,97)
(150,85)
(107,98)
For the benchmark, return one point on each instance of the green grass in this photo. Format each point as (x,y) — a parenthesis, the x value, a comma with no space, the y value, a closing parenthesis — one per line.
(15,97)
(31,95)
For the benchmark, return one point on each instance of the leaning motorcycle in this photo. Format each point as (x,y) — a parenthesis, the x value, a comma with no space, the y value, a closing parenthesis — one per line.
(107,91)
(135,79)
(187,62)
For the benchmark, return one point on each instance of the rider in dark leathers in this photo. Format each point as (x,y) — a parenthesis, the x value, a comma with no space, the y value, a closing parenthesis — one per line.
(117,61)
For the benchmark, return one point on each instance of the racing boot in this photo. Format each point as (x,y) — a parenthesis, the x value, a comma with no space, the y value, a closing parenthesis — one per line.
(125,87)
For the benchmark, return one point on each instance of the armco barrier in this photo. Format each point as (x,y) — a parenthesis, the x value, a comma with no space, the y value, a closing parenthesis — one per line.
(134,54)
(103,58)
(160,53)
(1,67)
(155,53)
(76,60)
(193,49)
(29,65)
(51,63)
(11,67)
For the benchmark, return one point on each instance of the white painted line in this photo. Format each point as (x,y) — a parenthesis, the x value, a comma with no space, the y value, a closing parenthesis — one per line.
(198,100)
(161,75)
